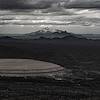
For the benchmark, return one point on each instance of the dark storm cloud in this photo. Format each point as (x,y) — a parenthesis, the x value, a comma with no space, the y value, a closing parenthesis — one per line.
(13,4)
(44,4)
(26,4)
(23,4)
(83,4)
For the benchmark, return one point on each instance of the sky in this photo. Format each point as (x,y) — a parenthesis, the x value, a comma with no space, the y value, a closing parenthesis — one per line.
(25,16)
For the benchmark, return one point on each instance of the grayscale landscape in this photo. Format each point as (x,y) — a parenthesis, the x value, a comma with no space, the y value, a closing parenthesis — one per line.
(49,49)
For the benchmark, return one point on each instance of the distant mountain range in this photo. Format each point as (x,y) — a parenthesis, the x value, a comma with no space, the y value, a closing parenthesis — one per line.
(48,34)
(44,34)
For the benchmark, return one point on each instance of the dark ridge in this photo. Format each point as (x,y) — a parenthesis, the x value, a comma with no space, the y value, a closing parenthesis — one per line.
(6,38)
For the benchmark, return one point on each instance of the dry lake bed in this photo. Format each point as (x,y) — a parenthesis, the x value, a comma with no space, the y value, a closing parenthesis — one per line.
(28,67)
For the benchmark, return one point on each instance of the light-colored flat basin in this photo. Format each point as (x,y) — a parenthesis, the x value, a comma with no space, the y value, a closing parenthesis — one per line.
(27,67)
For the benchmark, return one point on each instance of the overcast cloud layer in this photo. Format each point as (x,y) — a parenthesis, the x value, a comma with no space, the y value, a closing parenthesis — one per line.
(83,17)
(28,15)
(45,4)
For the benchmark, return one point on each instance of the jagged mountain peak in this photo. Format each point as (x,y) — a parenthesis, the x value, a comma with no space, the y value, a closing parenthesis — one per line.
(51,34)
(47,30)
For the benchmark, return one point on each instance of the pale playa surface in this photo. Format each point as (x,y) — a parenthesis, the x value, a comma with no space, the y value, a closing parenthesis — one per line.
(27,66)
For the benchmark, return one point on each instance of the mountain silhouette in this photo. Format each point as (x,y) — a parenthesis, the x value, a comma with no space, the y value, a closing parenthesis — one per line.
(47,34)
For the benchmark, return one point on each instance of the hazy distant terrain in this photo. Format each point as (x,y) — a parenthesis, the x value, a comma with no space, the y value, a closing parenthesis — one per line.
(92,36)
